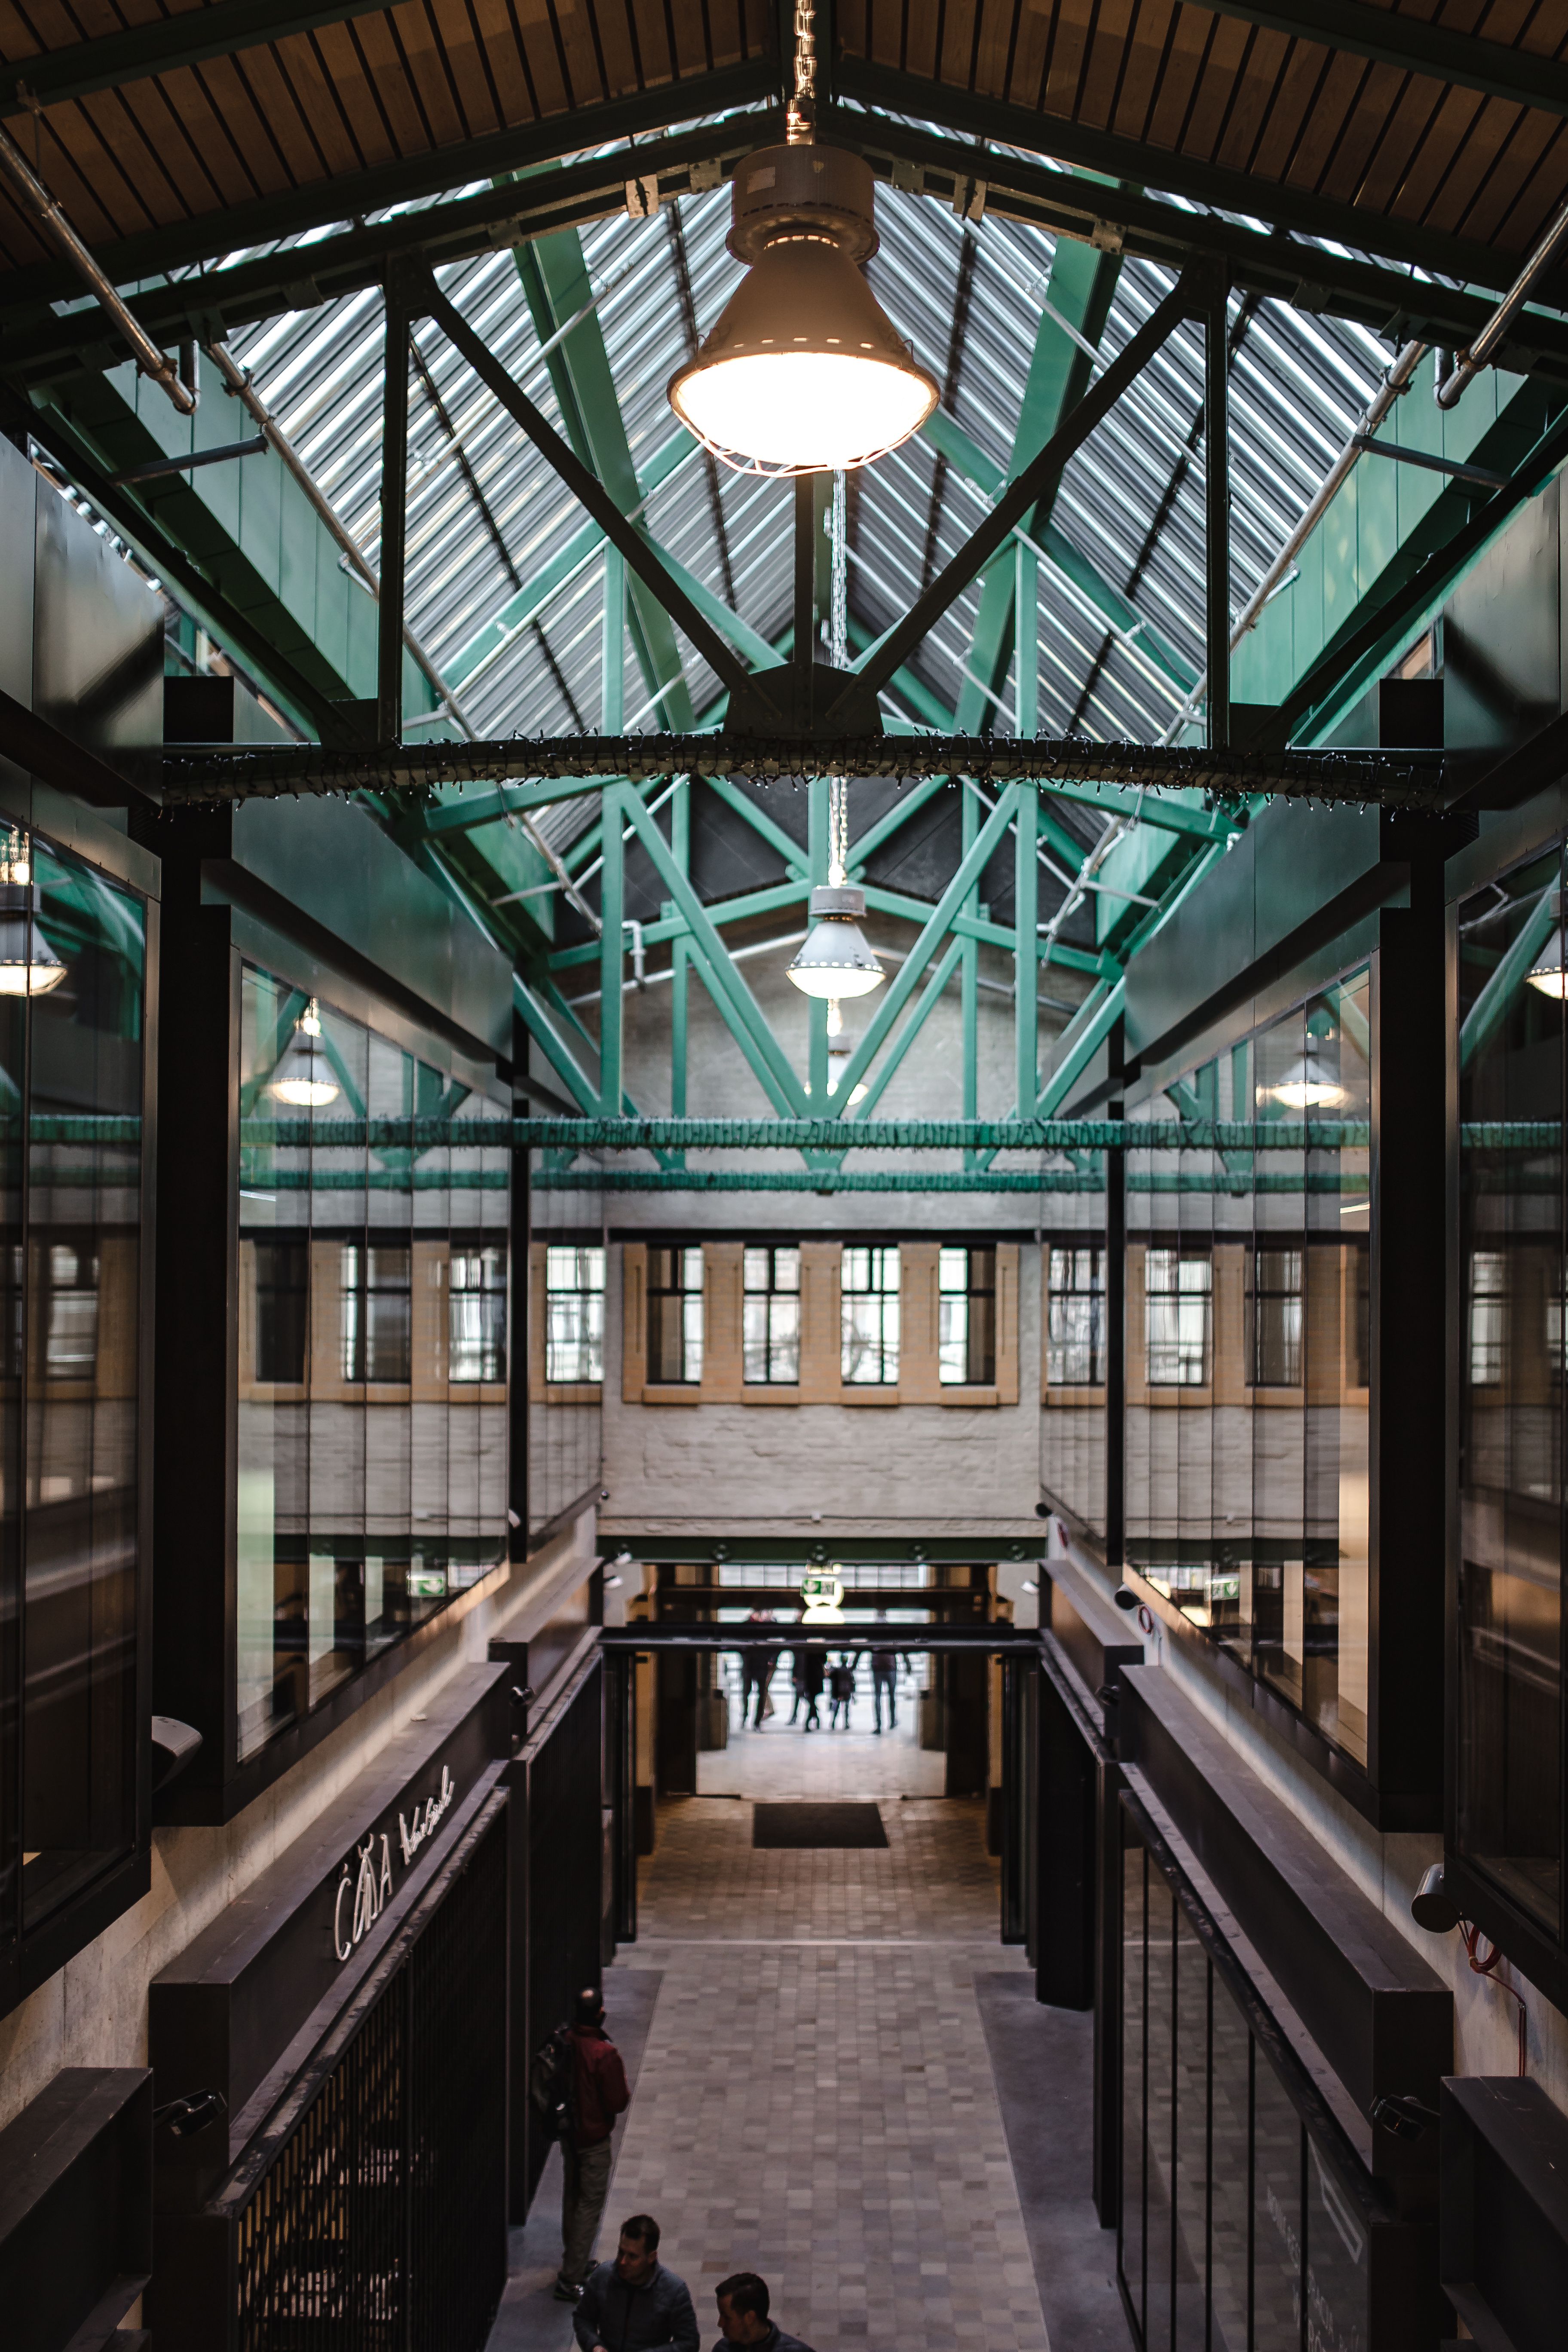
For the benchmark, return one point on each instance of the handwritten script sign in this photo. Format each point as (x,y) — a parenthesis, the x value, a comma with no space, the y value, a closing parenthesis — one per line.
(369,1880)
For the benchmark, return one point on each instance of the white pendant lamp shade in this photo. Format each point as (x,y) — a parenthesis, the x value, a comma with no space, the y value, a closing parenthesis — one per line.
(835,960)
(305,1078)
(1308,1085)
(1547,972)
(29,964)
(804,370)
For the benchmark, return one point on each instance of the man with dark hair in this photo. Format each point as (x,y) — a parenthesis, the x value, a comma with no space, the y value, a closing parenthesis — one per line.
(598,2093)
(743,2316)
(634,2303)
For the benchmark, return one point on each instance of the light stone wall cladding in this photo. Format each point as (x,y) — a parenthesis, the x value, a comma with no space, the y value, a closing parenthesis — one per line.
(854,1464)
(94,2011)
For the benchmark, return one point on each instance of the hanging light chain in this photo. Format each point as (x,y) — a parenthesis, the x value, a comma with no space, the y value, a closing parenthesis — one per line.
(801,117)
(838,653)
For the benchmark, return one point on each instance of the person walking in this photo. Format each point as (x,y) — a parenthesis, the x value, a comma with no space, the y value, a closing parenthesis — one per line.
(885,1681)
(743,2302)
(756,1671)
(634,2303)
(597,2094)
(841,1691)
(811,1669)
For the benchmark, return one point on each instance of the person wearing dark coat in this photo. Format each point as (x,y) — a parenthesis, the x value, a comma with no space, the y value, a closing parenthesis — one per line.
(634,2303)
(599,2094)
(811,1668)
(743,2317)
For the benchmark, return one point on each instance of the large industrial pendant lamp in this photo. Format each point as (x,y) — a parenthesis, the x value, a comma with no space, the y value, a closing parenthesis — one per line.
(29,964)
(305,1076)
(804,370)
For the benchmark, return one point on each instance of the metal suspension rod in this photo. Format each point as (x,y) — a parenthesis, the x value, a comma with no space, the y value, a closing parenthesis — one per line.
(35,199)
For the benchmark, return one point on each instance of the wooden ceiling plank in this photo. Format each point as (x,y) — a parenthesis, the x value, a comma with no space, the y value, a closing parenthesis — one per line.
(1216,88)
(1405,43)
(1326,125)
(1413,127)
(545,66)
(1179,81)
(239,113)
(428,66)
(1139,81)
(389,78)
(1538,199)
(348,74)
(1531,150)
(616,38)
(1075,26)
(79,166)
(1305,78)
(1103,74)
(504,59)
(1257,89)
(282,123)
(321,103)
(155,148)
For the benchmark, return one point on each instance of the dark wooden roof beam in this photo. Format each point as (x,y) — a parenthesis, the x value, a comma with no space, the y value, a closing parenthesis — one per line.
(1522,76)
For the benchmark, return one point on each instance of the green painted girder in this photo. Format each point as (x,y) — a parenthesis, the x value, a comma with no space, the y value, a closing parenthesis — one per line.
(580,550)
(240,543)
(772,901)
(946,965)
(555,280)
(743,1015)
(884,91)
(966,457)
(1081,286)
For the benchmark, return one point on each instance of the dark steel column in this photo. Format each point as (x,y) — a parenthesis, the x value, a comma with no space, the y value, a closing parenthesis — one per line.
(1015,1807)
(1115,1336)
(518,1326)
(394,514)
(1216,486)
(804,571)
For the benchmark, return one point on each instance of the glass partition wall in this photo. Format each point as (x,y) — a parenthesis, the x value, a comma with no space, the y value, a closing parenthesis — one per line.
(373,1300)
(1247,2221)
(570,1345)
(1247,1334)
(1507,1811)
(74,949)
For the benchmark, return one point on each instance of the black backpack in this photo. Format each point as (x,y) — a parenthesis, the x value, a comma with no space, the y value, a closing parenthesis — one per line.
(551,2084)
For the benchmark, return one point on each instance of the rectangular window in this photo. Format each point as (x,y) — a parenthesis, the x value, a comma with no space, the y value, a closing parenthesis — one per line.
(966,1317)
(675,1315)
(1178,1287)
(1074,1322)
(1274,1307)
(868,1328)
(770,1313)
(377,1321)
(573,1314)
(282,1307)
(1489,1315)
(476,1312)
(70,1310)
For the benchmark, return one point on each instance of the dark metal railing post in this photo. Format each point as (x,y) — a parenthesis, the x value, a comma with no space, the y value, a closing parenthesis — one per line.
(1115,1351)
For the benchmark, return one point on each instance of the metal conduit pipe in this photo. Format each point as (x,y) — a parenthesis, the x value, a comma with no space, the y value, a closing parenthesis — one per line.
(244,391)
(1469,363)
(35,200)
(1395,381)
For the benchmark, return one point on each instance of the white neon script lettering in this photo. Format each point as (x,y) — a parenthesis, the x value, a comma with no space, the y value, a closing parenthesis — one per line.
(425,1817)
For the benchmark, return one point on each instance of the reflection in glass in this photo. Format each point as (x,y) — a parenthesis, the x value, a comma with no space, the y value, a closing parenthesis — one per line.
(1247,1406)
(372,1412)
(868,1300)
(574,1313)
(1131,2237)
(1511,1046)
(72,1361)
(675,1315)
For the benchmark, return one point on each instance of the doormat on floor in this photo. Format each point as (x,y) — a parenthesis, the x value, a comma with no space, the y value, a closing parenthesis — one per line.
(799,1825)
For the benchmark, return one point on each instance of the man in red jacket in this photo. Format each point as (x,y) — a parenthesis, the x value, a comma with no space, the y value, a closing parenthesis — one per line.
(599,2094)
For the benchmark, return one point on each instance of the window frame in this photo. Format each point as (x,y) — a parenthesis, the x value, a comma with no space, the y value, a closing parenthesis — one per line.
(890,1296)
(1072,1248)
(770,1296)
(972,1293)
(1200,1295)
(686,1259)
(583,1292)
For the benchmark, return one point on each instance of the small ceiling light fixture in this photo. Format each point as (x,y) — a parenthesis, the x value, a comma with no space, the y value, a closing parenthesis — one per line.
(1548,972)
(835,960)
(305,1076)
(803,368)
(29,964)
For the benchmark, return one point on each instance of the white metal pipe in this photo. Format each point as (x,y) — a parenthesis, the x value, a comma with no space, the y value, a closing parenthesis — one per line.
(1480,353)
(35,198)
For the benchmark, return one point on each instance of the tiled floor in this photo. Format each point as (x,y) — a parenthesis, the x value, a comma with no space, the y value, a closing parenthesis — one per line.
(817,2100)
